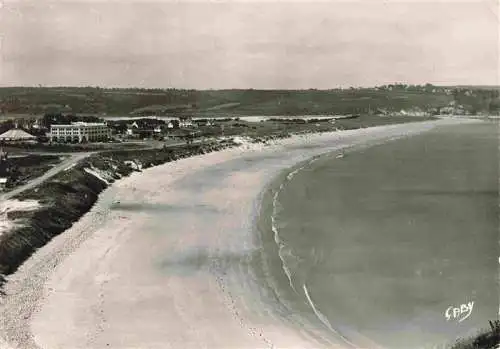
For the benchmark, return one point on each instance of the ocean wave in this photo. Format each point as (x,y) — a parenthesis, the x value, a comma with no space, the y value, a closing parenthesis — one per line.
(323,318)
(284,251)
(287,257)
(279,242)
(292,174)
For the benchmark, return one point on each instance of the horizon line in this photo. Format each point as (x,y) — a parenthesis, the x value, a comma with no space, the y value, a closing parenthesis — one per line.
(243,88)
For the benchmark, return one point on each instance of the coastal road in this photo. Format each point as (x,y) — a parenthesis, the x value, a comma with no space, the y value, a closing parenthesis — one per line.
(72,160)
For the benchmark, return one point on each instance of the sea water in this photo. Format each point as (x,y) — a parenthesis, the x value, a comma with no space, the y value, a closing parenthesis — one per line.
(380,245)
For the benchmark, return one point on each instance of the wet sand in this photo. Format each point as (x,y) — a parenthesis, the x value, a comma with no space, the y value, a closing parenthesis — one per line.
(166,259)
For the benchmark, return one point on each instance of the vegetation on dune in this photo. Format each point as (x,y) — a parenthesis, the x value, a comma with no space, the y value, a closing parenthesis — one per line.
(25,168)
(487,339)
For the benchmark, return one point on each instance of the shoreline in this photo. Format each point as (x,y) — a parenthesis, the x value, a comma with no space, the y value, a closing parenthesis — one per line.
(268,234)
(276,245)
(108,227)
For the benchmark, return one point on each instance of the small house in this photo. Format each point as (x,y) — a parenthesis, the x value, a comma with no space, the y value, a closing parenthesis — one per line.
(3,183)
(133,125)
(131,128)
(185,122)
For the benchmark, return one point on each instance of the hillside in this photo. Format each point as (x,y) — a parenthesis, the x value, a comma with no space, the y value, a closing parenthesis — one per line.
(94,100)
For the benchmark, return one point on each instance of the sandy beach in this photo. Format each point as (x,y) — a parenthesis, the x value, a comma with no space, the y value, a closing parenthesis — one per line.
(162,260)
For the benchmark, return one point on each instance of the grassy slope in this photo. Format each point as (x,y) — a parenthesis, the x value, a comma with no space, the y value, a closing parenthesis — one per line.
(487,339)
(239,102)
(32,166)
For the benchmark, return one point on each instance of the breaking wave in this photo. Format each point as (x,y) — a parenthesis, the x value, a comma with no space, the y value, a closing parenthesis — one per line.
(323,318)
(290,262)
(284,251)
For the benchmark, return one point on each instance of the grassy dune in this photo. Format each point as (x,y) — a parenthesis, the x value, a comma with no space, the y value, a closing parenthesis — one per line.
(488,339)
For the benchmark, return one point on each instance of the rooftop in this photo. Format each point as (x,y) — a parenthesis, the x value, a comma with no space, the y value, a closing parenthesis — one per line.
(81,123)
(16,134)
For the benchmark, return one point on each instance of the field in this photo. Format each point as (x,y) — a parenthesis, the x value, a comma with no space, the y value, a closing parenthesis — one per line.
(17,101)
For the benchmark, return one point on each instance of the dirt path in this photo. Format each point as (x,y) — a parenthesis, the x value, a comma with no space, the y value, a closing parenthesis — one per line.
(73,159)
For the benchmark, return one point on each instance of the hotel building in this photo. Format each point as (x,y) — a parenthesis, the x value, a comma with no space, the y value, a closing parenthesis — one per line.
(80,132)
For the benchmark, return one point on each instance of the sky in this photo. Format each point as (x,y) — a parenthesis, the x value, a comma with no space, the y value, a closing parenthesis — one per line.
(248,44)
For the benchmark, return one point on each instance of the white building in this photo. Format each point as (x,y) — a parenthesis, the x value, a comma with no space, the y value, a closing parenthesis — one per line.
(185,122)
(80,132)
(3,183)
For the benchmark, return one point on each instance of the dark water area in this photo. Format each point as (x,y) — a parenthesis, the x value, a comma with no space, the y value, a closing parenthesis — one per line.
(380,243)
